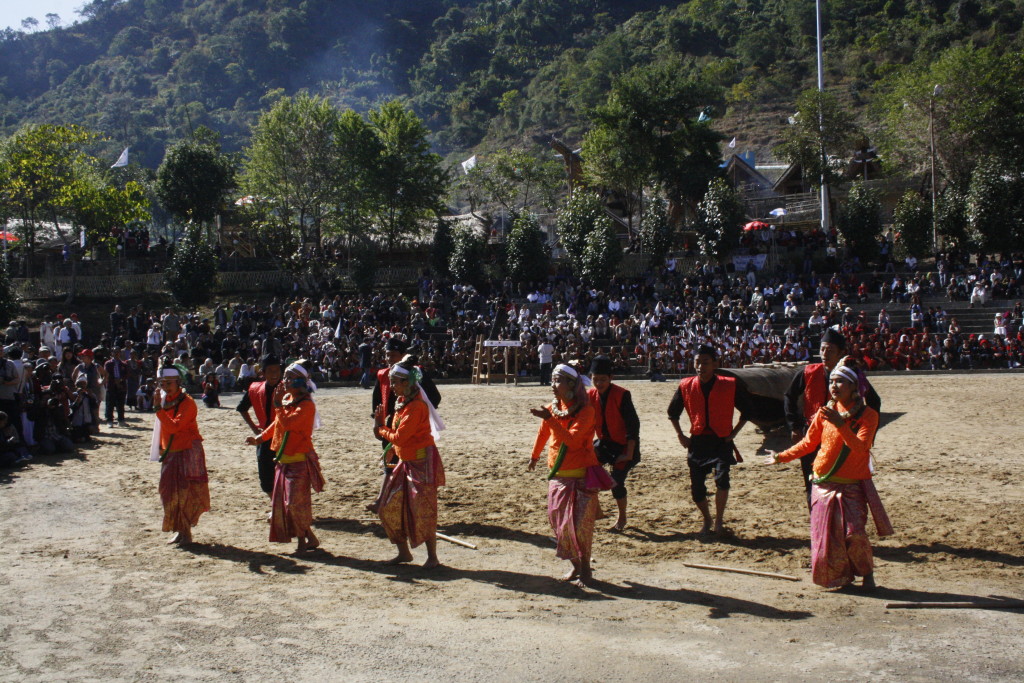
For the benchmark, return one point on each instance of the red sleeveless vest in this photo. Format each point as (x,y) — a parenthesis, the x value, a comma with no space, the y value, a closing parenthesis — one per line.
(609,420)
(815,389)
(721,403)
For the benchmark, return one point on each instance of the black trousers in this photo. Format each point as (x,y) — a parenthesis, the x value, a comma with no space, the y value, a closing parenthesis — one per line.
(545,373)
(607,454)
(266,465)
(708,454)
(115,399)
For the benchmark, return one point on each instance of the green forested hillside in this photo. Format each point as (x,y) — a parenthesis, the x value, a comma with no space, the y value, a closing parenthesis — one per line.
(145,72)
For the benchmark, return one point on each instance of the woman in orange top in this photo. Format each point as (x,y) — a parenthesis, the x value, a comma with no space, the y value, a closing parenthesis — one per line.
(298,467)
(407,503)
(574,475)
(842,490)
(184,484)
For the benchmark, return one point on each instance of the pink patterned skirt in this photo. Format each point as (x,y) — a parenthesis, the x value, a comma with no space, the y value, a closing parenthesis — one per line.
(291,503)
(407,503)
(572,511)
(840,549)
(184,487)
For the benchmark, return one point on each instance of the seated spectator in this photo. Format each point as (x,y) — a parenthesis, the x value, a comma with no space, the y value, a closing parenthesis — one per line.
(12,449)
(211,390)
(144,396)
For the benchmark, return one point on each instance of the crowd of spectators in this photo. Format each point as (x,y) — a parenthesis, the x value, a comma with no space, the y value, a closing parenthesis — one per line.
(52,391)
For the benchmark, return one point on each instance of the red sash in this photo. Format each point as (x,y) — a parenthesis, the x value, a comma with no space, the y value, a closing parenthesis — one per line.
(815,389)
(258,398)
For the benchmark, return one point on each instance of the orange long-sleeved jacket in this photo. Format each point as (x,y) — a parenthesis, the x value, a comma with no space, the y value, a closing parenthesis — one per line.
(178,426)
(411,431)
(576,432)
(297,420)
(832,439)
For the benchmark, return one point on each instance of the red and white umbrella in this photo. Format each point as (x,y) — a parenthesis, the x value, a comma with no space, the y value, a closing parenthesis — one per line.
(4,235)
(755,225)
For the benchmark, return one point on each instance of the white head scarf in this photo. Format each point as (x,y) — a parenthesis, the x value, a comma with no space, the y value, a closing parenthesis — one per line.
(159,399)
(296,367)
(570,371)
(849,374)
(436,423)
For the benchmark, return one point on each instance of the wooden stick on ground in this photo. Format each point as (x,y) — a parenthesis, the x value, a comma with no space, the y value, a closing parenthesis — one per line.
(1003,604)
(740,571)
(456,541)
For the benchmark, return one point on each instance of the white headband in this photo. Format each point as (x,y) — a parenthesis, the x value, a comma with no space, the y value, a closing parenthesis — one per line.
(849,374)
(569,370)
(170,372)
(299,369)
(399,370)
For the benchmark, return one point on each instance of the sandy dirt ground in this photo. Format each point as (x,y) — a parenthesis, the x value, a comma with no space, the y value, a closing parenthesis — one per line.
(90,591)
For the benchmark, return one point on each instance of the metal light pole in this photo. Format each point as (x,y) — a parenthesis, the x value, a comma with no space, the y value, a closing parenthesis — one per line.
(936,91)
(821,125)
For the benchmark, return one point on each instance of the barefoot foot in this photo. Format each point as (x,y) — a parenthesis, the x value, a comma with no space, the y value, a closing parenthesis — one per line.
(431,563)
(401,558)
(571,575)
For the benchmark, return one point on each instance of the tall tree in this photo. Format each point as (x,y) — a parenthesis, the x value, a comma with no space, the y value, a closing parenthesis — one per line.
(656,232)
(977,111)
(602,255)
(526,250)
(43,165)
(653,112)
(193,270)
(293,165)
(409,180)
(951,217)
(580,216)
(441,249)
(719,217)
(195,177)
(912,219)
(994,219)
(515,181)
(860,221)
(357,153)
(467,256)
(616,163)
(53,180)
(822,129)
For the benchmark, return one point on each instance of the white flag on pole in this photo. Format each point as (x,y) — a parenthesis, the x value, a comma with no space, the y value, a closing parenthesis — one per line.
(469,164)
(121,160)
(81,238)
(337,330)
(732,144)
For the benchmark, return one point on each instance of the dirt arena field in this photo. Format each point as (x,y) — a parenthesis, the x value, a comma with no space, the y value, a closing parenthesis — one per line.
(90,591)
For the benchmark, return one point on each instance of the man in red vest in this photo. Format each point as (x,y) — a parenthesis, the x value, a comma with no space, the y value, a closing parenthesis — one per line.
(617,430)
(808,392)
(709,400)
(260,397)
